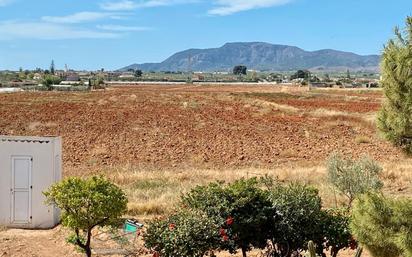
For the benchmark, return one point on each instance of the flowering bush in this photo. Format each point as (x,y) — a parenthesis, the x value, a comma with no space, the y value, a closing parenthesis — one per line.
(242,209)
(243,215)
(185,233)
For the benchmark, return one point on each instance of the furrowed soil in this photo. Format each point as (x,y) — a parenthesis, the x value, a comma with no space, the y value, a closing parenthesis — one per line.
(158,141)
(197,126)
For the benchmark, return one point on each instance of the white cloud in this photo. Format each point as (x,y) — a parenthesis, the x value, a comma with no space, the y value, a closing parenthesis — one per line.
(124,5)
(122,28)
(228,7)
(10,30)
(5,2)
(128,5)
(78,17)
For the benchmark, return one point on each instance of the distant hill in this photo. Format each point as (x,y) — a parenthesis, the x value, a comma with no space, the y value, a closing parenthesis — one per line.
(261,56)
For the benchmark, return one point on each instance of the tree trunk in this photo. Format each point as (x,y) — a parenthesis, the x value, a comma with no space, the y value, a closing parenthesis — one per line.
(334,252)
(244,252)
(88,248)
(88,251)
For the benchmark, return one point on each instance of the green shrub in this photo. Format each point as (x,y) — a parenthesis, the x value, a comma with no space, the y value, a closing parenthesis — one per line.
(246,214)
(242,208)
(402,221)
(383,225)
(336,231)
(86,204)
(50,80)
(186,233)
(372,225)
(353,177)
(300,217)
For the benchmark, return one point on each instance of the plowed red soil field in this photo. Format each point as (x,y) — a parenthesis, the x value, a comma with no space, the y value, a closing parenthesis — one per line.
(196,126)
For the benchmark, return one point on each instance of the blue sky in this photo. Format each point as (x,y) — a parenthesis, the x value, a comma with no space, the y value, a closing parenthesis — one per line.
(110,34)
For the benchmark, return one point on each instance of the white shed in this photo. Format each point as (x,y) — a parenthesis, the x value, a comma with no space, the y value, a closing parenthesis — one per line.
(28,166)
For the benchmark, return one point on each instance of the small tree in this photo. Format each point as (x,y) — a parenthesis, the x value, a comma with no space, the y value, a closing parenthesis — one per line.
(86,204)
(185,233)
(353,177)
(52,67)
(348,74)
(300,74)
(138,73)
(49,80)
(395,116)
(240,70)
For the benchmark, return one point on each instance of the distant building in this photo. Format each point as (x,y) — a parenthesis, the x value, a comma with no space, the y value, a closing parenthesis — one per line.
(37,76)
(72,77)
(127,75)
(322,84)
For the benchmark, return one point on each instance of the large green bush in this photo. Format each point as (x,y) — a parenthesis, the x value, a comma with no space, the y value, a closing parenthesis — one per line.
(301,219)
(353,177)
(336,231)
(395,116)
(299,209)
(185,233)
(242,208)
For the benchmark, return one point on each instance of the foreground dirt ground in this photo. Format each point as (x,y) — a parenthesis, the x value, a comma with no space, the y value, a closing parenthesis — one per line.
(51,243)
(186,135)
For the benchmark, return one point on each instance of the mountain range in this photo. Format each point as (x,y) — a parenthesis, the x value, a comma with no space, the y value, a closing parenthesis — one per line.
(261,56)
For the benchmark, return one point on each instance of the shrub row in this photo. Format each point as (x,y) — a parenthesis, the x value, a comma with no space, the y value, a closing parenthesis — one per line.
(249,213)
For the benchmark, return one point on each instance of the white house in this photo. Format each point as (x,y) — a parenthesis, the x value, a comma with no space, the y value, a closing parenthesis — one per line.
(28,166)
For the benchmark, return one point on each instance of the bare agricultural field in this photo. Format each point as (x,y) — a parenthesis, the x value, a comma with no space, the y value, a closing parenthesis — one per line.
(177,127)
(159,141)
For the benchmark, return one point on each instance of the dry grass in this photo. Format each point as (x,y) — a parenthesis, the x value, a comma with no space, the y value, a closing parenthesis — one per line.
(272,106)
(156,192)
(330,113)
(362,140)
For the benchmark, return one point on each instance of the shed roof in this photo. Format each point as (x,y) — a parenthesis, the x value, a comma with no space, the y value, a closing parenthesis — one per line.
(24,139)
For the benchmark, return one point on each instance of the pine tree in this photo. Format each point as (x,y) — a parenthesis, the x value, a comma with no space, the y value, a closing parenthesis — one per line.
(52,68)
(395,116)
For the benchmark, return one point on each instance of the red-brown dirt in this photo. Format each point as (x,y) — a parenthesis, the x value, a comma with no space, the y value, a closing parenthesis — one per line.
(193,126)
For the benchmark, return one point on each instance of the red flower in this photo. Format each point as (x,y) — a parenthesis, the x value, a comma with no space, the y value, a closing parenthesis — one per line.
(172,226)
(229,221)
(353,245)
(222,232)
(225,238)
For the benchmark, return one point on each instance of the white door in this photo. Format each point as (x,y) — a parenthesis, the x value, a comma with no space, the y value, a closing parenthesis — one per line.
(21,189)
